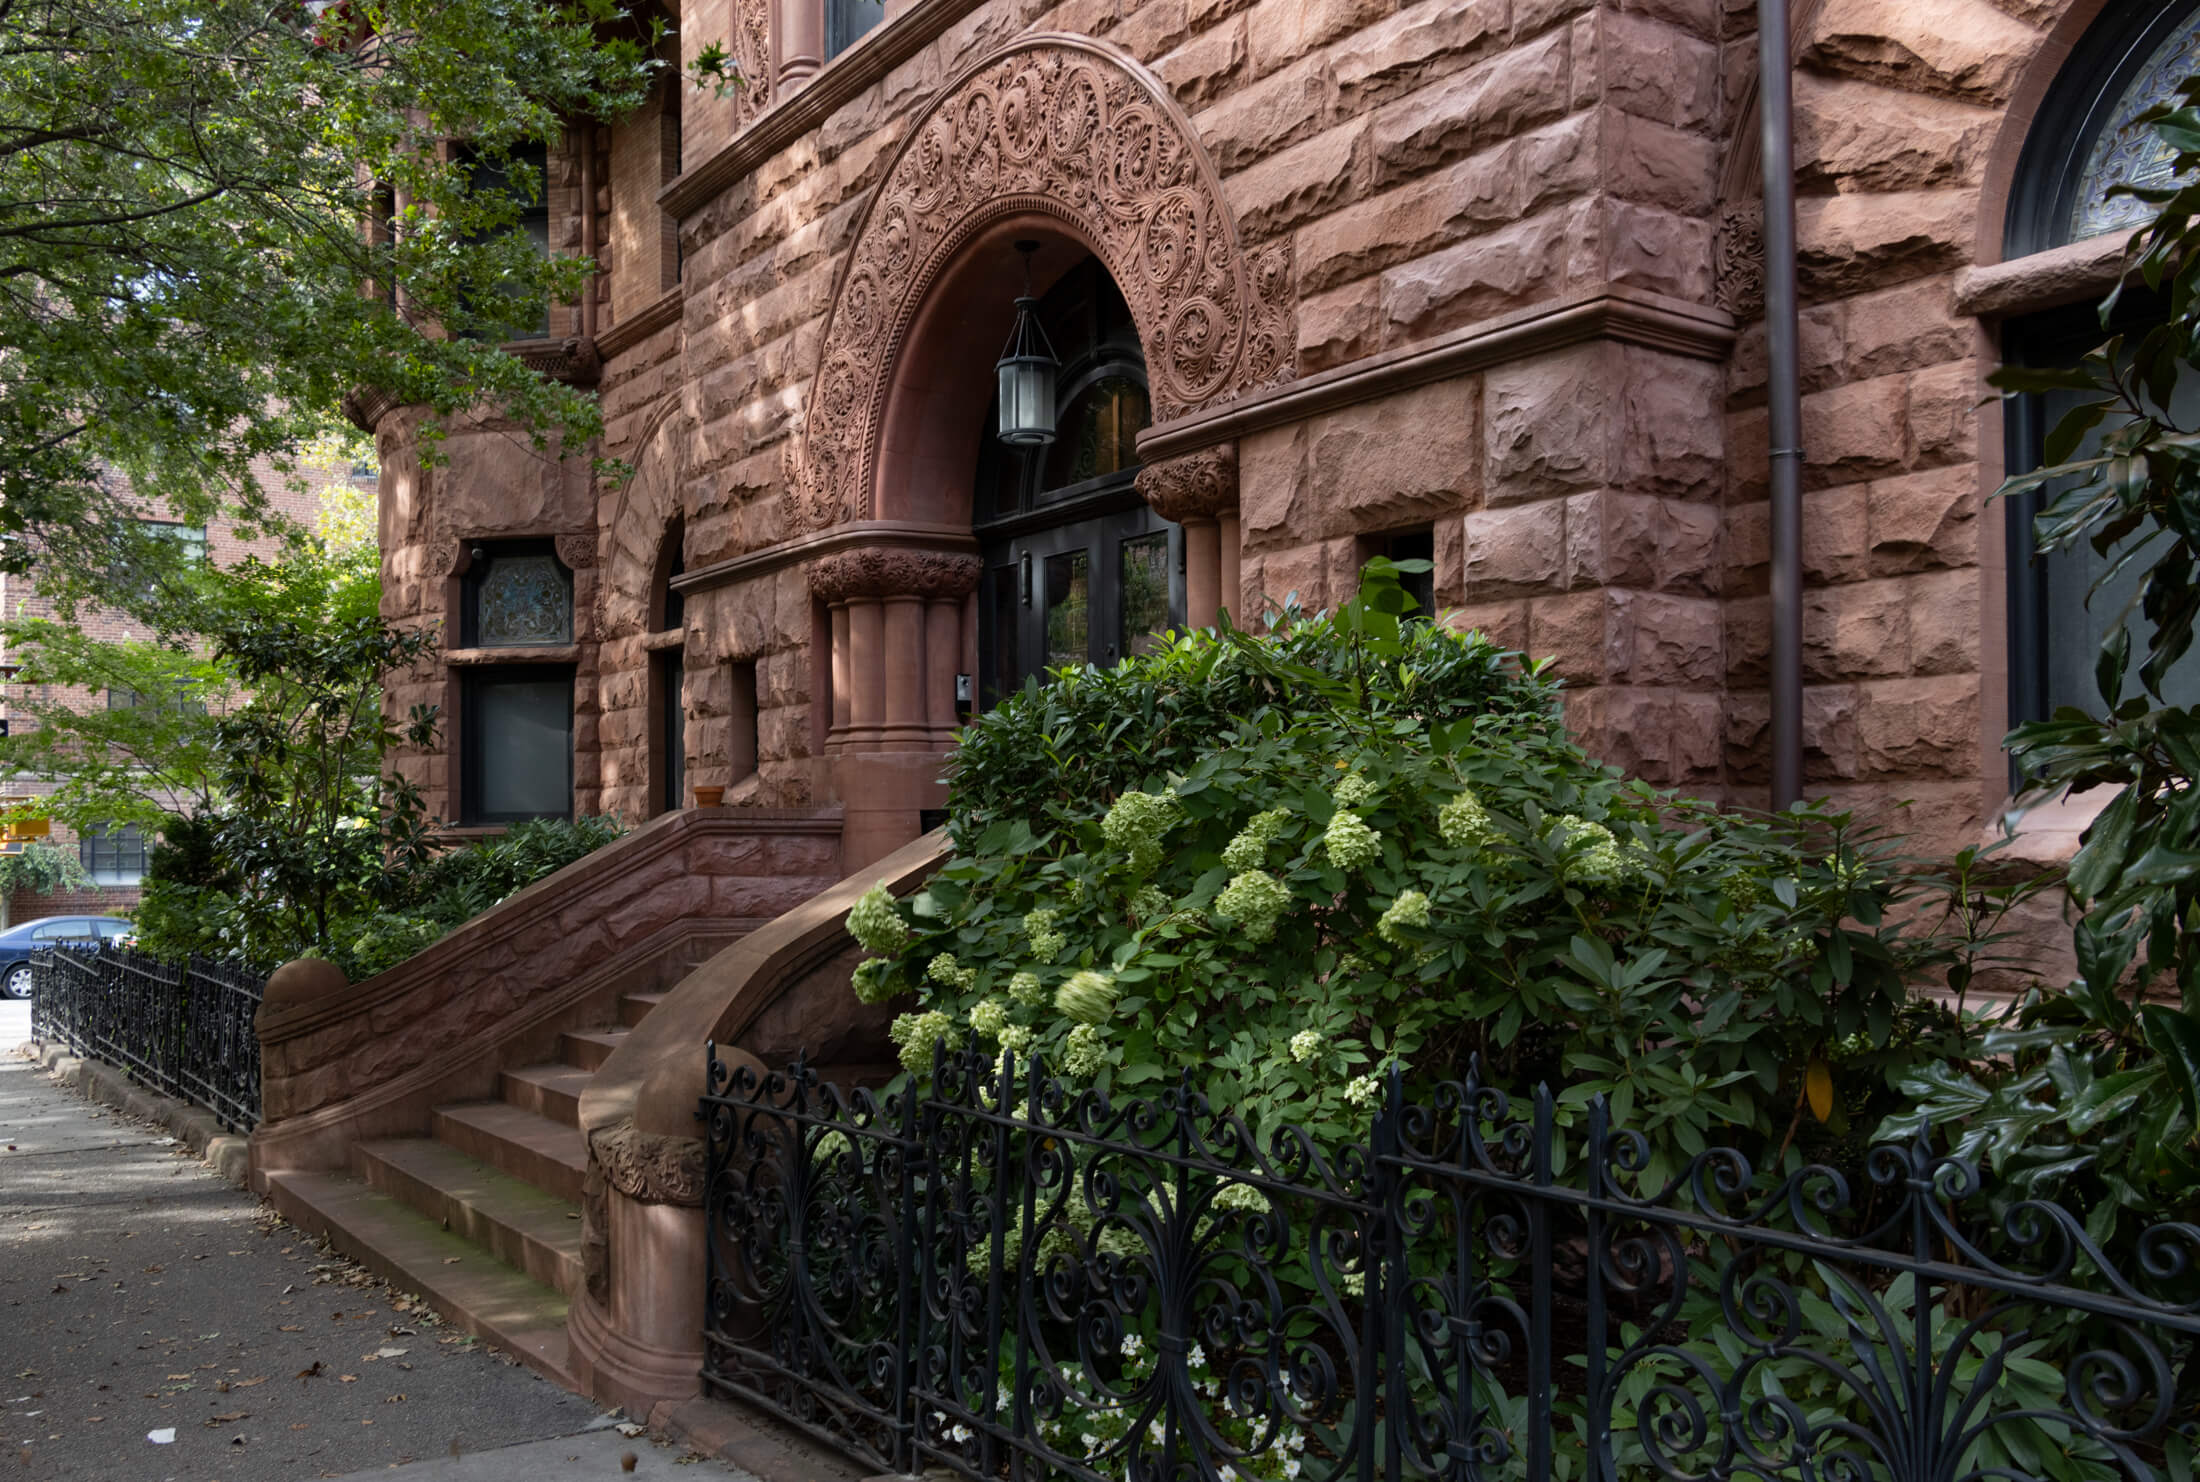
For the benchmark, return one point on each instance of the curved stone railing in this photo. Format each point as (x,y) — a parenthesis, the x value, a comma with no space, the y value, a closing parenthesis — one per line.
(371,1059)
(636,1328)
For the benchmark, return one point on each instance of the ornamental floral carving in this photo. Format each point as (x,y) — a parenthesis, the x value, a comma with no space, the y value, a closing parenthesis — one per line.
(893,572)
(1739,259)
(1065,127)
(1198,485)
(752,53)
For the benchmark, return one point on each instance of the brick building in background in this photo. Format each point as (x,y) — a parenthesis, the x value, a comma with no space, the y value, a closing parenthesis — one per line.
(115,859)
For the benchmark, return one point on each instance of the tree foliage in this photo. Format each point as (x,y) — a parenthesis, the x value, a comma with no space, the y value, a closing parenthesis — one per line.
(183,190)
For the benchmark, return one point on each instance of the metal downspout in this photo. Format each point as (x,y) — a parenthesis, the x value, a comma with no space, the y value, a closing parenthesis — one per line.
(1783,399)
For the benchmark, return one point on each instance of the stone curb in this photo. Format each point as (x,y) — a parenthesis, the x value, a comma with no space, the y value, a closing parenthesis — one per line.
(227,1153)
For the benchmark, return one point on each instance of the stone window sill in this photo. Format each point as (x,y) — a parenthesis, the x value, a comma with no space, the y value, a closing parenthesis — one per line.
(2049,833)
(659,642)
(569,653)
(2042,280)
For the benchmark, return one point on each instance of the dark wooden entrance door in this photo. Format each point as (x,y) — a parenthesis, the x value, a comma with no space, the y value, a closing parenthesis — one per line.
(1077,568)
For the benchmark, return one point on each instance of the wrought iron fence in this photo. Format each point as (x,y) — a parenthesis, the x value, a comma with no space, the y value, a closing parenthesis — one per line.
(1007,1276)
(183,1028)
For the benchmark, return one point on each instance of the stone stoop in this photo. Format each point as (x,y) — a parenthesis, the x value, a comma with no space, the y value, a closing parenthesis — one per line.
(482,1216)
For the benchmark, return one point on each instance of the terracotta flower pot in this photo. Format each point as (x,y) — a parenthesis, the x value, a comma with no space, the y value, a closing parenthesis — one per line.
(709,797)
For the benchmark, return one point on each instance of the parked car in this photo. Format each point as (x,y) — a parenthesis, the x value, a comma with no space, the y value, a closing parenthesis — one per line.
(17,944)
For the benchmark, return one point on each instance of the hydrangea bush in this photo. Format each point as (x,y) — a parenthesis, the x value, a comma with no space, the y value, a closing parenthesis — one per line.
(1288,864)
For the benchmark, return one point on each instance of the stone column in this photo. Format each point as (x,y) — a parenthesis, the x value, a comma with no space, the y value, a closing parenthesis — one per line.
(1200,492)
(1233,543)
(902,648)
(801,42)
(843,675)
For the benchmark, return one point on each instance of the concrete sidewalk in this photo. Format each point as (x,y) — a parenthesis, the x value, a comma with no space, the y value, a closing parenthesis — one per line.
(156,1325)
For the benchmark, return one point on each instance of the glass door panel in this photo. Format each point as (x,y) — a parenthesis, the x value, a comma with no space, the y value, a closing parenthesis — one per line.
(1069,608)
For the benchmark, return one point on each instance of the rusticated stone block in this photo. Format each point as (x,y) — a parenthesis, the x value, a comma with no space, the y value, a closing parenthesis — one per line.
(1340,326)
(1569,630)
(1650,68)
(1956,48)
(1504,623)
(1857,630)
(1473,195)
(1831,751)
(1303,181)
(1375,466)
(1662,736)
(1857,135)
(1855,431)
(1656,164)
(1515,550)
(1255,121)
(1546,423)
(1850,243)
(1151,28)
(1420,43)
(1920,727)
(1944,622)
(1668,438)
(1639,540)
(1478,278)
(1638,246)
(1657,639)
(1282,31)
(1924,520)
(1472,110)
(1905,328)
(1203,68)
(1943,412)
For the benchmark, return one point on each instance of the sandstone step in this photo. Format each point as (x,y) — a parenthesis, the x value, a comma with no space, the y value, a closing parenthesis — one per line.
(589,1048)
(471,1289)
(516,1222)
(633,1006)
(547,1154)
(552,1090)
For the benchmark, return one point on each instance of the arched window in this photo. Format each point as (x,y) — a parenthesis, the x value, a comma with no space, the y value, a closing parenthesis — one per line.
(2085,140)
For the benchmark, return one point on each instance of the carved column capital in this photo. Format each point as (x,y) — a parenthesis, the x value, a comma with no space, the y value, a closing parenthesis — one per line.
(891,571)
(1195,486)
(577,549)
(1739,259)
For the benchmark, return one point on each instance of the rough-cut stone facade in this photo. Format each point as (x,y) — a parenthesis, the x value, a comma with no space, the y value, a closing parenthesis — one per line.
(1481,266)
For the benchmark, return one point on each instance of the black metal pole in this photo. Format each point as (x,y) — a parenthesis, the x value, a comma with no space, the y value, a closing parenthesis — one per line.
(1784,403)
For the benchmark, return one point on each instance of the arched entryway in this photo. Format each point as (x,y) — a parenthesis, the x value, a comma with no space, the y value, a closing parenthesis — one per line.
(1077,567)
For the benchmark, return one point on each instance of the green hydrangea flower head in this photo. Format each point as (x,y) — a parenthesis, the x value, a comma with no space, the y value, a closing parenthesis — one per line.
(1241,1196)
(1084,1052)
(875,921)
(1014,1038)
(876,979)
(1249,850)
(948,973)
(1354,790)
(918,1035)
(1409,909)
(1306,1045)
(1592,855)
(1135,825)
(1256,901)
(989,1016)
(1464,822)
(1039,930)
(1088,997)
(1363,1091)
(1351,843)
(1026,989)
(1149,901)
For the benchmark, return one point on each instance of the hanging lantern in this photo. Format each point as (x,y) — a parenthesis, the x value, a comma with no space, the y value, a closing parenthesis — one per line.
(1026,371)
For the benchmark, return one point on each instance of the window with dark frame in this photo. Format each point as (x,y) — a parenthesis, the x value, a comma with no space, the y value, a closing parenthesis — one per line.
(534,210)
(2084,139)
(849,21)
(516,747)
(113,856)
(517,594)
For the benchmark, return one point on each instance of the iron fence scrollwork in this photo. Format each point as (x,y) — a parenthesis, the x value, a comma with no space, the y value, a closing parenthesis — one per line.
(1002,1275)
(183,1028)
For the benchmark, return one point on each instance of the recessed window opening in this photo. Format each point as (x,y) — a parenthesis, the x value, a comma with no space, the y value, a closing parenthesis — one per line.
(848,21)
(518,594)
(517,750)
(741,720)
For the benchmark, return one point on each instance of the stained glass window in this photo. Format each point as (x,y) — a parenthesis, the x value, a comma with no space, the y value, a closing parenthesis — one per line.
(521,601)
(1144,574)
(2127,152)
(1100,434)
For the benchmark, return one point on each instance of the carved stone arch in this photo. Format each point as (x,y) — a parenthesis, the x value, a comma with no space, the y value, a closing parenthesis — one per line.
(1054,126)
(646,507)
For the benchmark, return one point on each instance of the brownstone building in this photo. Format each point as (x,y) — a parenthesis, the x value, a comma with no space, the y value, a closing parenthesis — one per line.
(1317,279)
(1477,278)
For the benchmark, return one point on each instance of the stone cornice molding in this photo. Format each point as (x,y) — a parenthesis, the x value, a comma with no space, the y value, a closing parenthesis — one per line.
(796,115)
(894,571)
(825,543)
(1626,315)
(638,326)
(1069,128)
(1196,486)
(365,407)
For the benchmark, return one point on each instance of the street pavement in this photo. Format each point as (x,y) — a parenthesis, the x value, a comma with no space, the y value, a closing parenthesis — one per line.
(157,1325)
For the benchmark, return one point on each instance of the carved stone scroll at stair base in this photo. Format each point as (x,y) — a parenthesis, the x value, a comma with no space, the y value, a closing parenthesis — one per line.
(893,572)
(652,1167)
(1196,486)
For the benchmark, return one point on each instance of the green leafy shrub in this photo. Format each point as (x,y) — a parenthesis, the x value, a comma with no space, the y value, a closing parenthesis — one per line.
(1285,865)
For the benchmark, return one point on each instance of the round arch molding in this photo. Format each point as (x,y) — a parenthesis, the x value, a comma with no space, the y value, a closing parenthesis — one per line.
(1073,129)
(644,507)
